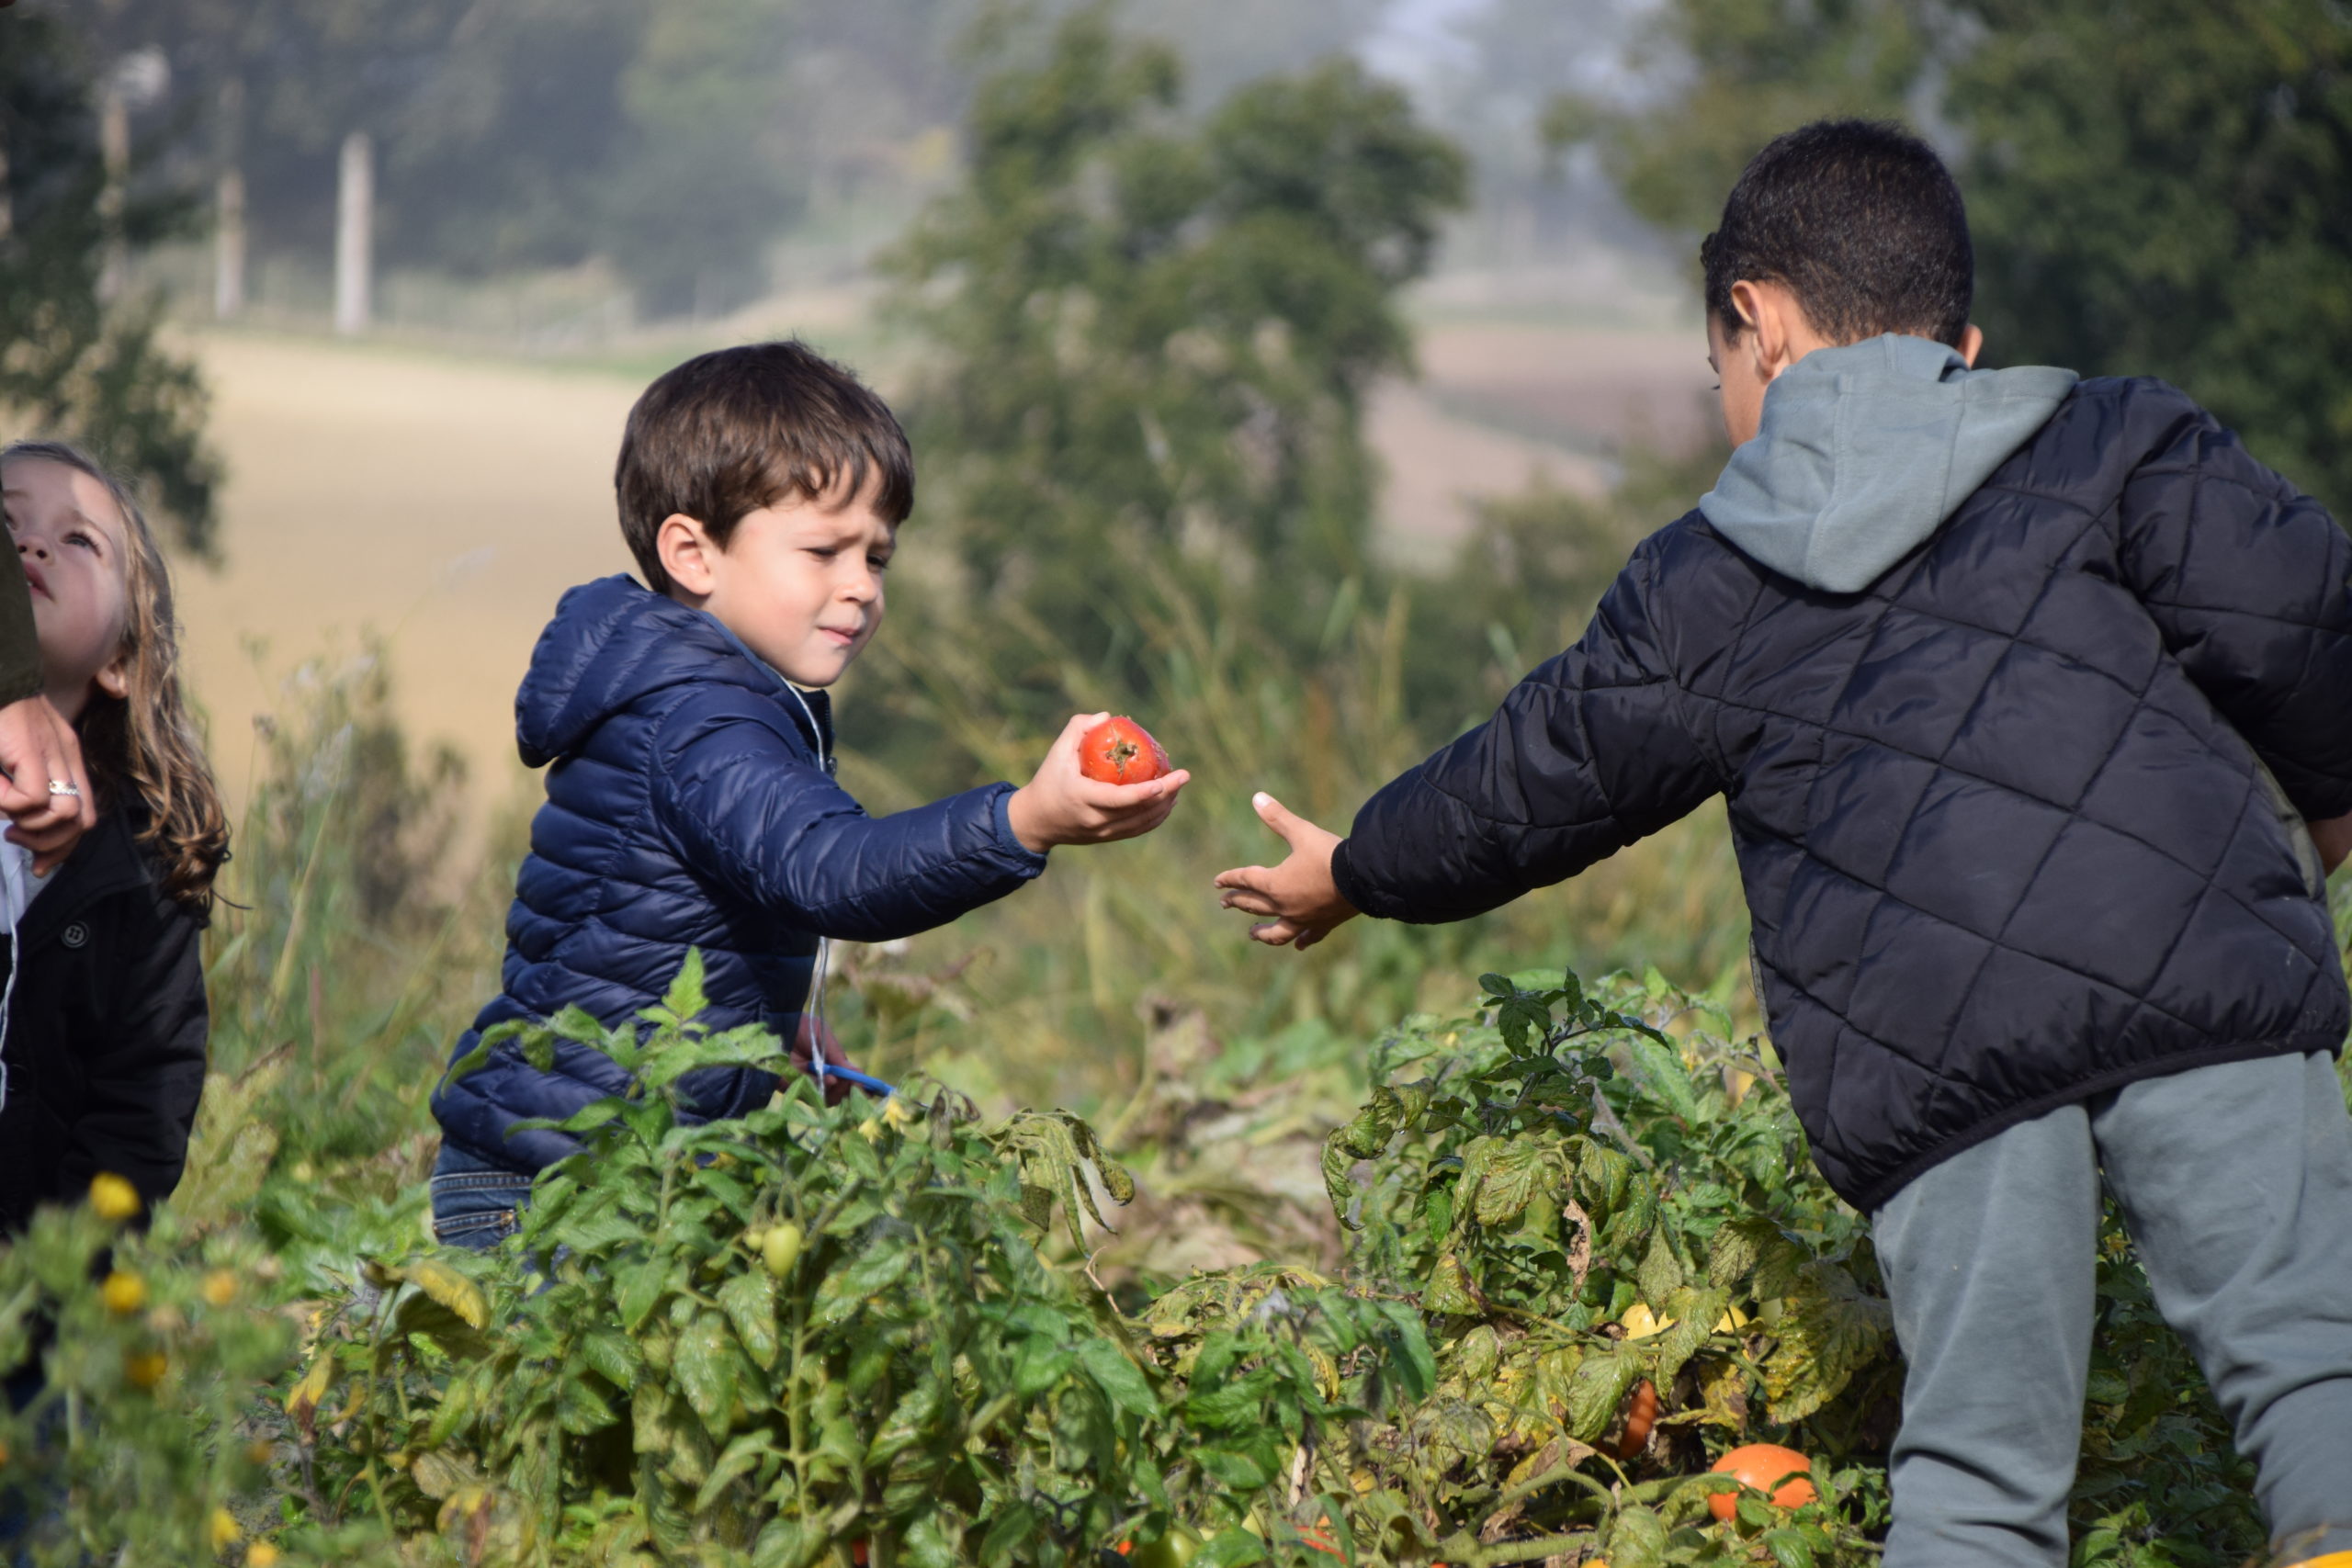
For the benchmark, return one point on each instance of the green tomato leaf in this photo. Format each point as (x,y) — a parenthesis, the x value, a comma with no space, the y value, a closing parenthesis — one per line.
(748,1299)
(1042,1366)
(1234,1548)
(1121,1381)
(1598,1388)
(705,1369)
(638,1290)
(1511,1174)
(1660,1274)
(1012,1527)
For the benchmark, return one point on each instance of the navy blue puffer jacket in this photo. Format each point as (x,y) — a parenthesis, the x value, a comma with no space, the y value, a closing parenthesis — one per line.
(691,803)
(2018,818)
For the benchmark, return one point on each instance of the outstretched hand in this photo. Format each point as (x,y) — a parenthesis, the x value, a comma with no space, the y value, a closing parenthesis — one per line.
(1301,901)
(1062,806)
(37,747)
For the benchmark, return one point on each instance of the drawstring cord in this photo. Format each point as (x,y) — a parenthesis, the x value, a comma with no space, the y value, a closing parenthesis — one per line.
(825,1070)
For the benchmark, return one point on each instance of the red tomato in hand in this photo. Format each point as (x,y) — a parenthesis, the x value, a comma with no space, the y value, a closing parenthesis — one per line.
(1119,750)
(1762,1465)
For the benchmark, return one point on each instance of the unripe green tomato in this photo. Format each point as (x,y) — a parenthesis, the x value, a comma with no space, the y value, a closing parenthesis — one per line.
(1175,1549)
(781,1250)
(756,1238)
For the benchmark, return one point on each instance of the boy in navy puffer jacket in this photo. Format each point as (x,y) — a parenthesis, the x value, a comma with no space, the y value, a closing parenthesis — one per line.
(691,801)
(2021,691)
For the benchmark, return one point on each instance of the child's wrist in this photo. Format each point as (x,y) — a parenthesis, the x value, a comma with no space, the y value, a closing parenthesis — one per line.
(1020,814)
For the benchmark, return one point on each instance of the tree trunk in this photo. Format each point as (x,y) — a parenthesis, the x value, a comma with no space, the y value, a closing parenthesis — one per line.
(229,206)
(353,217)
(228,245)
(114,149)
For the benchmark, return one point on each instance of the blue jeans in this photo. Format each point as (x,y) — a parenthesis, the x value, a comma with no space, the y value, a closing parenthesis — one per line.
(476,1204)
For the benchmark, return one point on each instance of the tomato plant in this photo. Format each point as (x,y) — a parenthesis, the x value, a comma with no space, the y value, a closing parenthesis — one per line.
(1570,1214)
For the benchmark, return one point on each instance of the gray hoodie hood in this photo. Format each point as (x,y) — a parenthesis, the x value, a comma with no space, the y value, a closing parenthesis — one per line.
(1863,451)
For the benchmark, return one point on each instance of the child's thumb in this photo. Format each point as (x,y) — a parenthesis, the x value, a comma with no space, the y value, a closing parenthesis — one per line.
(1274,814)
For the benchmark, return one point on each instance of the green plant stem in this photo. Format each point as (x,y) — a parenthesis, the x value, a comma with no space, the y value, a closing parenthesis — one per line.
(1467,1550)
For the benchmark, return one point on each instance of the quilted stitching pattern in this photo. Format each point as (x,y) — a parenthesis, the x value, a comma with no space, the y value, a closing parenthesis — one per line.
(688,806)
(2005,818)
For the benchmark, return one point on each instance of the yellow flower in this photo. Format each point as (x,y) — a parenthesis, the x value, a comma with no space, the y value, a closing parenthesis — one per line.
(261,1555)
(894,1112)
(112,1197)
(225,1533)
(870,1130)
(123,1293)
(146,1369)
(220,1287)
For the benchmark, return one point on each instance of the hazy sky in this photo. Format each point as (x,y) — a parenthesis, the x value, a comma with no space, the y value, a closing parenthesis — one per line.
(1416,36)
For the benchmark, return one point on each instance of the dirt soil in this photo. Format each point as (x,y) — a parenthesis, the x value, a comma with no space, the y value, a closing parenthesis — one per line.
(444,503)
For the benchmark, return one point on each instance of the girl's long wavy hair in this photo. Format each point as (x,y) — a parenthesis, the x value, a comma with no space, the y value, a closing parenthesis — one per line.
(144,743)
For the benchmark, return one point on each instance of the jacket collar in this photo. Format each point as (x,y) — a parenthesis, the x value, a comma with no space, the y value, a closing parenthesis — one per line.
(107,861)
(812,707)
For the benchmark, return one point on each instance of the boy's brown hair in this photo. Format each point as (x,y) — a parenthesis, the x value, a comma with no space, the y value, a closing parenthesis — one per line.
(729,432)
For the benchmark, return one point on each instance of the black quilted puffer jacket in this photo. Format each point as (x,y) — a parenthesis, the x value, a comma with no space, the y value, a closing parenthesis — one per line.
(2018,820)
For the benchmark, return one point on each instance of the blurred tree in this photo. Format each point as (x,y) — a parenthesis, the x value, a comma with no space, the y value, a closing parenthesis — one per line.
(701,182)
(2162,188)
(502,157)
(1281,36)
(1711,81)
(2166,189)
(72,364)
(1155,337)
(1527,579)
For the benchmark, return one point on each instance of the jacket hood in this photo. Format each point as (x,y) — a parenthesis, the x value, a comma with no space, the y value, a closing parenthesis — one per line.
(1863,451)
(614,641)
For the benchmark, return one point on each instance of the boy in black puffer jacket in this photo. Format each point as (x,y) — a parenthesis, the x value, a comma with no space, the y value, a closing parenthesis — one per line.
(2022,691)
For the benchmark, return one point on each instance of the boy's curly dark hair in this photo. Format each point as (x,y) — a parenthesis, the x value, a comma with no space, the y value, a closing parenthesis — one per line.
(1861,220)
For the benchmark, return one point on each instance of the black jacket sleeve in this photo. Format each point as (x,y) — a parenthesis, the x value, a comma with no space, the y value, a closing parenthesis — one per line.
(1586,754)
(142,1085)
(2250,584)
(20,647)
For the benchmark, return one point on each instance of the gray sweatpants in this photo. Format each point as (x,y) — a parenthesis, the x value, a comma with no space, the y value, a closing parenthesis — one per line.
(2236,1183)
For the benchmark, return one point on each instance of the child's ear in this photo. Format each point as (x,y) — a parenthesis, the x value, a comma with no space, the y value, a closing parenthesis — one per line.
(114,678)
(686,550)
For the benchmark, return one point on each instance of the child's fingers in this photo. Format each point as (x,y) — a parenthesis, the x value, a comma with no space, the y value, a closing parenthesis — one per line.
(1116,798)
(50,844)
(1251,903)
